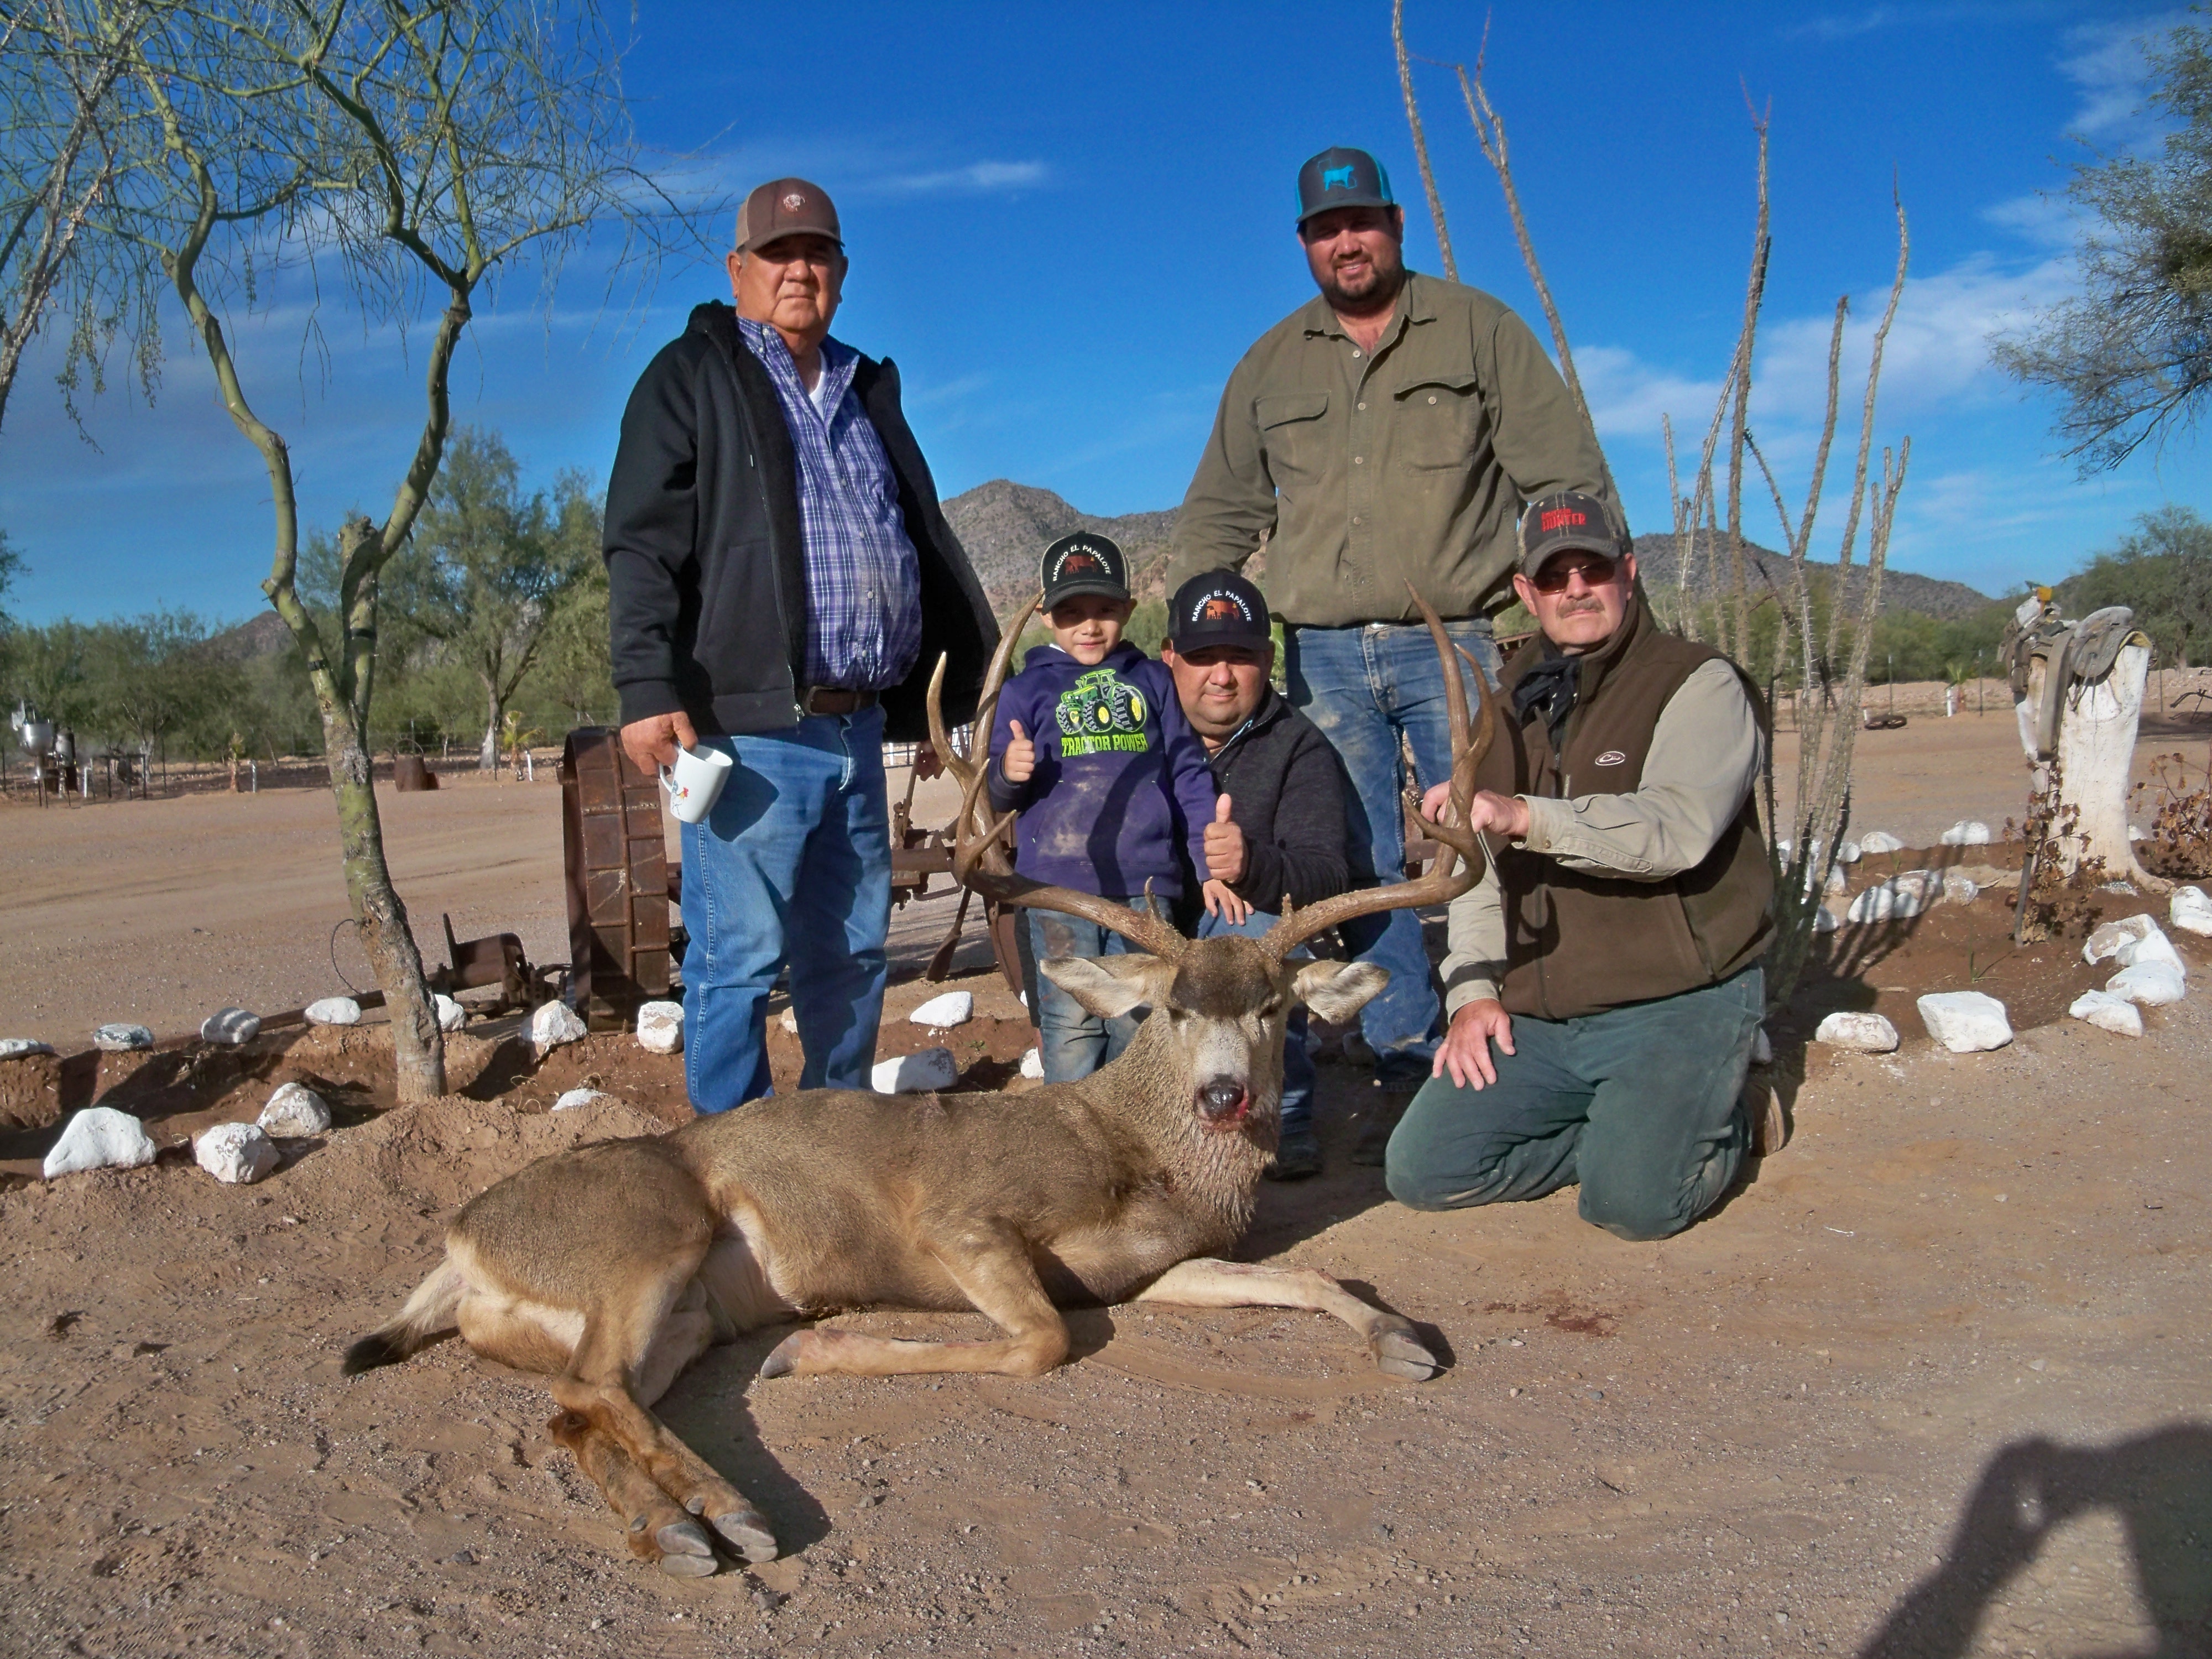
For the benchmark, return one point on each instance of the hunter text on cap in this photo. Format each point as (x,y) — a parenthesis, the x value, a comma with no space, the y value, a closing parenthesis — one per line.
(1553,523)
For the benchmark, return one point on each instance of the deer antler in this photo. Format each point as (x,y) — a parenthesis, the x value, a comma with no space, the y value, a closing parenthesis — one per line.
(979,852)
(1457,869)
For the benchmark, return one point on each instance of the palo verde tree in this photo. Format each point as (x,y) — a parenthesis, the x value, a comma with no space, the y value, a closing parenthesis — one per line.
(2130,357)
(489,568)
(414,152)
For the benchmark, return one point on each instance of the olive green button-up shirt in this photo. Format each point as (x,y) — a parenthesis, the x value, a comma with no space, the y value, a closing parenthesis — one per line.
(1367,471)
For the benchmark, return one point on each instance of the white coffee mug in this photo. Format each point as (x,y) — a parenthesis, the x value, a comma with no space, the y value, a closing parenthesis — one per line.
(695,782)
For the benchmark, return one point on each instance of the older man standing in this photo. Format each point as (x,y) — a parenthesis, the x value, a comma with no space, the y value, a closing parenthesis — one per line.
(1279,828)
(1610,950)
(781,582)
(1384,434)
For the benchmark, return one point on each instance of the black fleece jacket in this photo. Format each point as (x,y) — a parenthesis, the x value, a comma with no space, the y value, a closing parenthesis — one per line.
(1287,791)
(706,562)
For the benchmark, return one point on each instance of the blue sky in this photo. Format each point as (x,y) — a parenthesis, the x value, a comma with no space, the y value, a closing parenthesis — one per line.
(1066,224)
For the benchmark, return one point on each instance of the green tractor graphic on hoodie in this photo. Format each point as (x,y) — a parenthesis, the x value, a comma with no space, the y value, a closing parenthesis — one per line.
(1101,713)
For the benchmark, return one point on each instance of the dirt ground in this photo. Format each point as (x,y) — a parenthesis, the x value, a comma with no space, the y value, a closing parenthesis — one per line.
(1932,1381)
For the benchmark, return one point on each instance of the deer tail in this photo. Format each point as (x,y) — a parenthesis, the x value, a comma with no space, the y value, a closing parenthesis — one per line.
(429,1315)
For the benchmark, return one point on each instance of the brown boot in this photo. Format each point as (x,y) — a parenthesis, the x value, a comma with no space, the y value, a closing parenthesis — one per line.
(1376,1125)
(1762,1110)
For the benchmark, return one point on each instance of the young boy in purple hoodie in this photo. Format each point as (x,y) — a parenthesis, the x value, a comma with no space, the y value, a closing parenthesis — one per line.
(1090,746)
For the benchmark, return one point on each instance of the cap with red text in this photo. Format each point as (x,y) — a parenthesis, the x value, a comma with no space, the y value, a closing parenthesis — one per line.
(1553,523)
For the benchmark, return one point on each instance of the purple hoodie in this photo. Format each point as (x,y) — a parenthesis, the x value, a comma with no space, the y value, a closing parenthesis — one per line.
(1120,778)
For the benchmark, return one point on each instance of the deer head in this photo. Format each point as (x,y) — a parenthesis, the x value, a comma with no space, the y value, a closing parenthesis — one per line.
(1219,1006)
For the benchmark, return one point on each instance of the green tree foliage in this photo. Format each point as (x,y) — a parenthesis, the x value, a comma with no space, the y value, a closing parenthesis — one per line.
(2131,356)
(2162,571)
(489,568)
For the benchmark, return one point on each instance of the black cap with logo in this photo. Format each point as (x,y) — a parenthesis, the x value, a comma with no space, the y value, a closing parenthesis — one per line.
(1217,607)
(1085,563)
(1342,176)
(1553,523)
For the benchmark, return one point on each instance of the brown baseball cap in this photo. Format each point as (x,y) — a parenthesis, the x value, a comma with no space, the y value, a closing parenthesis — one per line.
(786,207)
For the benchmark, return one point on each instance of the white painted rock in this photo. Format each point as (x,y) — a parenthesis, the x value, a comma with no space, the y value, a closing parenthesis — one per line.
(1824,920)
(295,1111)
(333,1011)
(451,1015)
(1032,1064)
(120,1038)
(916,1074)
(1880,841)
(2130,940)
(2136,834)
(2108,1013)
(1966,832)
(1907,894)
(1869,1034)
(789,1022)
(2191,911)
(1837,880)
(942,1013)
(660,1026)
(1966,1022)
(1781,848)
(1762,1051)
(231,1025)
(575,1098)
(1959,890)
(236,1152)
(553,1025)
(22,1047)
(2153,984)
(100,1138)
(1847,852)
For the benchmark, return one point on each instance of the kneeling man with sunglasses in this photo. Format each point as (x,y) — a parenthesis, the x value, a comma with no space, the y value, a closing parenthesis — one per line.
(1603,978)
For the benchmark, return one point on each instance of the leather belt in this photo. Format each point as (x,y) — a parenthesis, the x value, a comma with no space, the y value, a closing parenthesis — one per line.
(834,700)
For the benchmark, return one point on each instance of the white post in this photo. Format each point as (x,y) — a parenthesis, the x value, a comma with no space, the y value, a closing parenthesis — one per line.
(2096,763)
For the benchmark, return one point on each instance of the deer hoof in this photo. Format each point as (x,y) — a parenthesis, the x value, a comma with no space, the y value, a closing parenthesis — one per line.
(783,1360)
(1398,1352)
(684,1551)
(746,1533)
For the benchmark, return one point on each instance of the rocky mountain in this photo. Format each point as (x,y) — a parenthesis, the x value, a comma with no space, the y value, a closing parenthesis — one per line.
(1006,526)
(262,634)
(1768,572)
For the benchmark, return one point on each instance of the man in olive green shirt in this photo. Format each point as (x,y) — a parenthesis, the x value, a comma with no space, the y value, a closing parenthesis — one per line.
(1386,433)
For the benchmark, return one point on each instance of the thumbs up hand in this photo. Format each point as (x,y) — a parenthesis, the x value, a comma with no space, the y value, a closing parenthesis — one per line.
(1019,763)
(1225,845)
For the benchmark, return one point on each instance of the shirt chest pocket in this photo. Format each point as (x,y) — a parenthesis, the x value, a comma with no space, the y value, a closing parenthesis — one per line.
(1440,424)
(1294,436)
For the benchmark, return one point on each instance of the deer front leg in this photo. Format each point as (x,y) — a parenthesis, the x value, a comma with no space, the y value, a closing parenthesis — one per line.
(1206,1282)
(993,1270)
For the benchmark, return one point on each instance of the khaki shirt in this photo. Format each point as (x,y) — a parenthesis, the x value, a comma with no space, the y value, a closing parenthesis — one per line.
(1704,757)
(1364,473)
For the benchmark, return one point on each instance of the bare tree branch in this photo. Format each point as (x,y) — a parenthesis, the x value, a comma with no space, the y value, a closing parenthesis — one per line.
(1420,138)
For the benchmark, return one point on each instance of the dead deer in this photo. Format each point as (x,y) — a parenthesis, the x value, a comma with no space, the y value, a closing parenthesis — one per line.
(612,1267)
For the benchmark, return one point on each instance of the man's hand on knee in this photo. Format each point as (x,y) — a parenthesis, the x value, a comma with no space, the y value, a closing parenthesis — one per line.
(651,742)
(1465,1051)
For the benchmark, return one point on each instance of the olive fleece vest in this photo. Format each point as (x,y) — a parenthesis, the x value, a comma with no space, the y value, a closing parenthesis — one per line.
(1578,941)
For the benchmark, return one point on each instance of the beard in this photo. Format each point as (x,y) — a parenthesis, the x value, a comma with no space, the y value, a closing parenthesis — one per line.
(1376,289)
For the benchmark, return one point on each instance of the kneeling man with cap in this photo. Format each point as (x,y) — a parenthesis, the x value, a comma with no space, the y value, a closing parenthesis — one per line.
(1609,956)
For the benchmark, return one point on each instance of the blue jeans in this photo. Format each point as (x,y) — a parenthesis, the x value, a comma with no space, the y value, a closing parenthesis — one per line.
(1071,1041)
(792,867)
(1298,1063)
(1372,690)
(1640,1105)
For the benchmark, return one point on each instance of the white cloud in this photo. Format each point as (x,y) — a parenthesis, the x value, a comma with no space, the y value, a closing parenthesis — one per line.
(975,178)
(1844,27)
(2105,62)
(2045,220)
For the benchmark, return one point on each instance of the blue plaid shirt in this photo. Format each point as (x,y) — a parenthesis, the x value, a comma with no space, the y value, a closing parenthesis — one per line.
(863,582)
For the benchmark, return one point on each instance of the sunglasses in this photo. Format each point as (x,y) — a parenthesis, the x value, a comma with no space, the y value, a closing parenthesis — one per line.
(1594,570)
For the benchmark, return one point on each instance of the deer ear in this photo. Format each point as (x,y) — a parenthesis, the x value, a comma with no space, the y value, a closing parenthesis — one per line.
(1109,986)
(1338,990)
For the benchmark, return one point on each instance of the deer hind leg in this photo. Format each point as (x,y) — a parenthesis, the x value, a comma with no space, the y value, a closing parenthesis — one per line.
(1208,1283)
(994,1272)
(614,1355)
(656,1529)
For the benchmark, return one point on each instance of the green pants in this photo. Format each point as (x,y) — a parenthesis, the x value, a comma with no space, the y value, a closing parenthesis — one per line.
(1641,1105)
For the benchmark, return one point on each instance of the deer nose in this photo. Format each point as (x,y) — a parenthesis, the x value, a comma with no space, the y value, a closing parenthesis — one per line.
(1221,1100)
